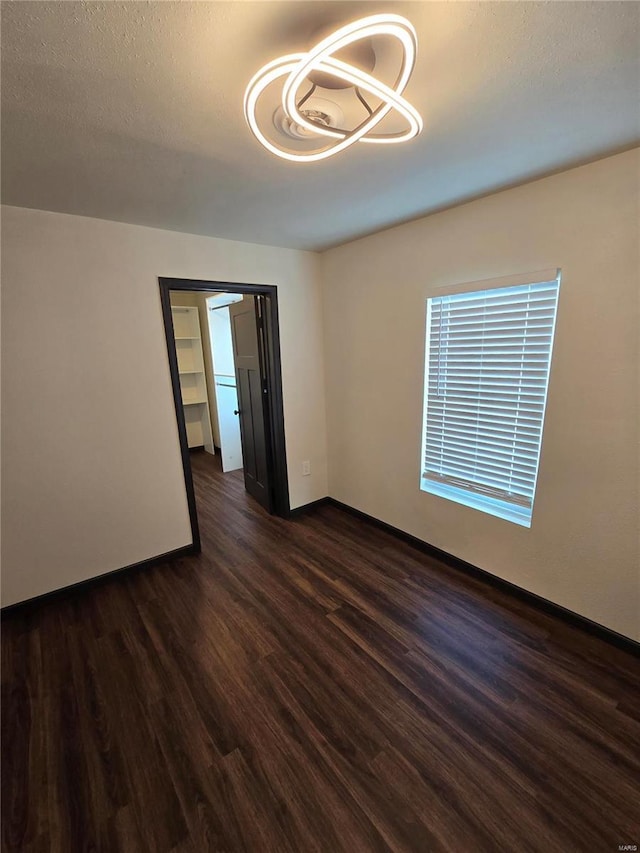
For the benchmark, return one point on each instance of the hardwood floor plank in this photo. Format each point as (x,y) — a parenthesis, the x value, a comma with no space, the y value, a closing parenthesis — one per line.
(311,685)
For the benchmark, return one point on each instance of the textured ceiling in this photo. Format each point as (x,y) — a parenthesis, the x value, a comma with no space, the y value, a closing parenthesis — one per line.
(133,111)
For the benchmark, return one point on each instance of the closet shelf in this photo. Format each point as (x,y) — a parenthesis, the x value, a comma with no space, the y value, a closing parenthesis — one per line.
(193,381)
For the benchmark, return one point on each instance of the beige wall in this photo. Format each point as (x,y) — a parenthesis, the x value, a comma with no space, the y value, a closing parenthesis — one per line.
(92,479)
(582,549)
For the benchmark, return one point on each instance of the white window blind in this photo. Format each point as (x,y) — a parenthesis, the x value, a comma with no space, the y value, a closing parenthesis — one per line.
(487,370)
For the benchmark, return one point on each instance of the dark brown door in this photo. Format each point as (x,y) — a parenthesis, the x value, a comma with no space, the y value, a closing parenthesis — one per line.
(248,353)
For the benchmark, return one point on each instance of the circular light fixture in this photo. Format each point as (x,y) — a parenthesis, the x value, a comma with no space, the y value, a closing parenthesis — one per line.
(319,62)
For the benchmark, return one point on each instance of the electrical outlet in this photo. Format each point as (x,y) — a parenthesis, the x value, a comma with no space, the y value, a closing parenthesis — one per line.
(306,468)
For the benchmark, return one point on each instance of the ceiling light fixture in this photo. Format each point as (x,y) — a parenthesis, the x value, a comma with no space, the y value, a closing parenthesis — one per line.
(320,61)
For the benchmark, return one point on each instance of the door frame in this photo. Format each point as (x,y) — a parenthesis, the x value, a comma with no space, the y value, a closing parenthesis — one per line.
(276,446)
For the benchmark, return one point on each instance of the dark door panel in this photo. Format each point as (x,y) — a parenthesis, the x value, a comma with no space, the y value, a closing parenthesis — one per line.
(251,381)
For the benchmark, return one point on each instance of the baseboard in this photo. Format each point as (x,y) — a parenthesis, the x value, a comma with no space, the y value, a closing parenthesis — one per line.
(64,591)
(537,601)
(307,508)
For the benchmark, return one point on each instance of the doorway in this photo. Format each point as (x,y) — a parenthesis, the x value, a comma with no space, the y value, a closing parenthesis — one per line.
(256,343)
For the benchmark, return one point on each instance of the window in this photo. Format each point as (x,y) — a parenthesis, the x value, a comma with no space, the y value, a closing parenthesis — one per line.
(487,363)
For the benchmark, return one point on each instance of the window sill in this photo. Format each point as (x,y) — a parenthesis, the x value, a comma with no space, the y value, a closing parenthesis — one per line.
(500,509)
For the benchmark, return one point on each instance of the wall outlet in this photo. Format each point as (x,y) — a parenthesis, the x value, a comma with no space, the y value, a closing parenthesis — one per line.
(306,468)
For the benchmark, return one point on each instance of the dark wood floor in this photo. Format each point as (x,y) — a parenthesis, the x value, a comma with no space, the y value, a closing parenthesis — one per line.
(311,685)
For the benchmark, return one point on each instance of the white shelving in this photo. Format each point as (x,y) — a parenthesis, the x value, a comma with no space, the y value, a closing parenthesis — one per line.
(193,383)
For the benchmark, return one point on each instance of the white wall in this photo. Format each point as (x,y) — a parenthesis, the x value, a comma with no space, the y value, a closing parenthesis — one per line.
(582,549)
(222,340)
(92,479)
